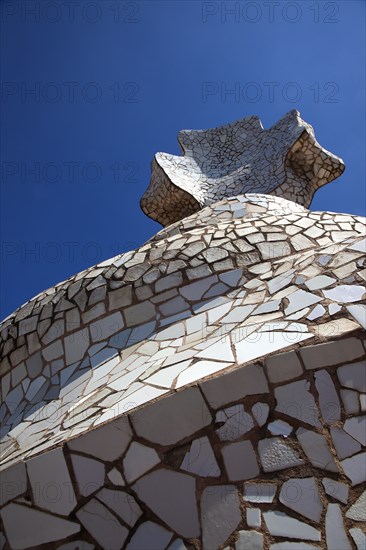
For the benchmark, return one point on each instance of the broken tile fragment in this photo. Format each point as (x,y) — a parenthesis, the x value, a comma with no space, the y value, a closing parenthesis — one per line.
(295,400)
(233,386)
(220,514)
(13,482)
(355,468)
(353,376)
(336,489)
(159,490)
(357,511)
(236,420)
(345,293)
(150,535)
(122,503)
(283,367)
(299,300)
(316,449)
(359,538)
(102,525)
(259,492)
(108,442)
(335,533)
(200,459)
(173,418)
(328,397)
(36,527)
(279,427)
(356,427)
(302,496)
(350,401)
(51,482)
(253,517)
(138,460)
(89,474)
(260,413)
(240,461)
(281,525)
(248,348)
(249,540)
(344,444)
(332,353)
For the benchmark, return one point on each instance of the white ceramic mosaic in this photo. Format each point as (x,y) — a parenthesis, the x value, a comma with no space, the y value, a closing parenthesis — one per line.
(239,158)
(207,390)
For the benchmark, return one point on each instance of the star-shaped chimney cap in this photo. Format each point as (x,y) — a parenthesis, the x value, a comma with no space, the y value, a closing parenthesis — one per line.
(238,158)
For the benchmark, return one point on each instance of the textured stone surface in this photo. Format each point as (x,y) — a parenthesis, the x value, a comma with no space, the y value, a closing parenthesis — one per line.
(276,455)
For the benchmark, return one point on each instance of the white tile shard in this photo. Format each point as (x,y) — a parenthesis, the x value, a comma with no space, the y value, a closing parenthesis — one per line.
(150,535)
(36,527)
(159,489)
(138,460)
(200,459)
(302,496)
(358,510)
(334,529)
(220,514)
(281,525)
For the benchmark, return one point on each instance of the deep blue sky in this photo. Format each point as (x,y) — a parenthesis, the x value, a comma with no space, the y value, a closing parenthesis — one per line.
(153,68)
